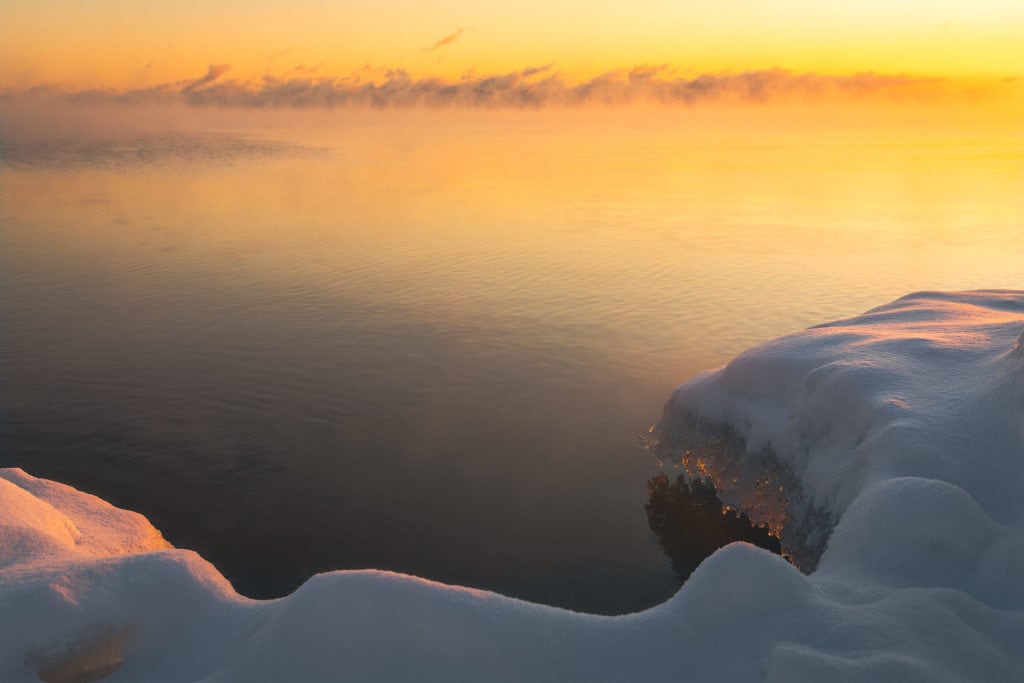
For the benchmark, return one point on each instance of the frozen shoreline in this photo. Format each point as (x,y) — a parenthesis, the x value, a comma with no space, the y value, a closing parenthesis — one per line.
(888,450)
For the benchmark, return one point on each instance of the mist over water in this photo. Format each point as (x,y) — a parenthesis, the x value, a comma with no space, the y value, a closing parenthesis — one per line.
(432,343)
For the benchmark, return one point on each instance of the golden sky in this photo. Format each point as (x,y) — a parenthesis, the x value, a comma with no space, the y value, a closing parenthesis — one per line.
(126,44)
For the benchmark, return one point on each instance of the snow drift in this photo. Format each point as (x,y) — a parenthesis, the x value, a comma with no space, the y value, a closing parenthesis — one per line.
(887,450)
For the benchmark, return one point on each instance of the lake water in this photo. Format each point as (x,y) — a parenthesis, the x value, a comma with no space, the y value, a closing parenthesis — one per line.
(433,343)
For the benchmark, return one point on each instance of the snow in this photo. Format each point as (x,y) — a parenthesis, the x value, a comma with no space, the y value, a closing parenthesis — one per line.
(887,449)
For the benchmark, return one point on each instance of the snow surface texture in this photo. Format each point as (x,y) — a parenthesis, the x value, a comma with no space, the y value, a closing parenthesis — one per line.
(897,438)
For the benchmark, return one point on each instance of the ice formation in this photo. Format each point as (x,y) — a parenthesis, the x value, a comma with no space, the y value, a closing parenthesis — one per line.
(887,450)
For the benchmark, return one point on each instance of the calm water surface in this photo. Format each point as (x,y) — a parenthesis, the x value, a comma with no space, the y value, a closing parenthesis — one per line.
(434,346)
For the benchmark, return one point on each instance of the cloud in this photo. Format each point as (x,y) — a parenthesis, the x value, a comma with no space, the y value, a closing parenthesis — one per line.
(213,72)
(447,40)
(532,87)
(534,70)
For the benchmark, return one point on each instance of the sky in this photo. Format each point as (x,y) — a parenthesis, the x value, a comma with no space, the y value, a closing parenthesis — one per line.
(131,44)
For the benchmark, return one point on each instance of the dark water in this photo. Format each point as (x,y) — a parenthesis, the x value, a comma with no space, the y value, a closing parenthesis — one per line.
(430,354)
(691,522)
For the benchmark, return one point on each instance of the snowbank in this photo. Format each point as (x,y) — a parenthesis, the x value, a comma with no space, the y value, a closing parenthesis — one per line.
(888,450)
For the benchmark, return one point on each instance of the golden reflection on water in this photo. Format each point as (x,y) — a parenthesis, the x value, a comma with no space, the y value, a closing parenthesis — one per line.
(668,219)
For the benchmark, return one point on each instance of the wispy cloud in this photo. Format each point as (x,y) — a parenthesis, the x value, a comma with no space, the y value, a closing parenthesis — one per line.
(534,87)
(534,70)
(447,40)
(213,72)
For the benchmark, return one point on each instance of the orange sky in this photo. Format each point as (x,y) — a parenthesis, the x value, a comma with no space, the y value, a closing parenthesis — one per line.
(126,44)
